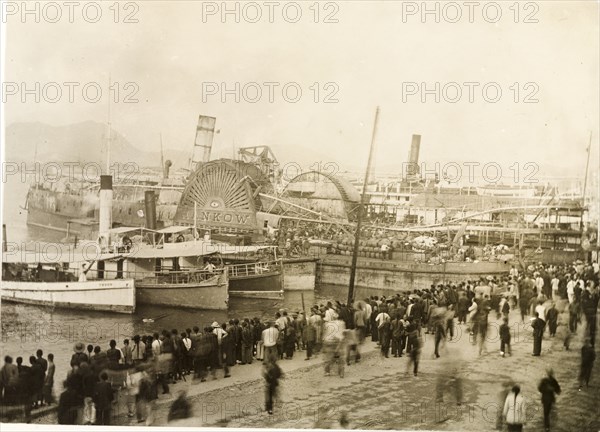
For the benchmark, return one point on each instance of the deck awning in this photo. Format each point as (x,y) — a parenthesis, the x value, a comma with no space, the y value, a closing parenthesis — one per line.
(56,256)
(174,229)
(124,230)
(189,249)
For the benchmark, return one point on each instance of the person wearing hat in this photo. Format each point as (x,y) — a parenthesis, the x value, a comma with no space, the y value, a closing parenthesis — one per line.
(79,354)
(220,334)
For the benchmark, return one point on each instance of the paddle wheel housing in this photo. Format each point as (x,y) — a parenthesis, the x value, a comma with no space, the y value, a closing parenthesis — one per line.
(326,193)
(223,196)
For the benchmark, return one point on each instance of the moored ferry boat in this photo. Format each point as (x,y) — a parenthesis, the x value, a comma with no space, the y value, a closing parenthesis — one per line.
(176,268)
(261,279)
(36,280)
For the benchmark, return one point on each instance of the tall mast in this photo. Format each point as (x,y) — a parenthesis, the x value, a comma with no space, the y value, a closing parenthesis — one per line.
(360,212)
(587,166)
(34,164)
(109,128)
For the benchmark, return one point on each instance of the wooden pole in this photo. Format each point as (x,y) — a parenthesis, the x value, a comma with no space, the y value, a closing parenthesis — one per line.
(360,212)
(303,307)
(4,242)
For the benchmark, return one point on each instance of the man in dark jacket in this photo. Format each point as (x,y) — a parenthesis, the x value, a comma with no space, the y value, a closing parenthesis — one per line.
(462,308)
(538,330)
(103,397)
(552,319)
(272,373)
(548,387)
(587,362)
(202,353)
(257,331)
(68,404)
(589,305)
(246,343)
(36,380)
(236,332)
(113,354)
(44,365)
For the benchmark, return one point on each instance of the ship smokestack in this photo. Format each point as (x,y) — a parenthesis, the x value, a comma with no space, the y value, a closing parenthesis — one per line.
(166,169)
(150,205)
(105,217)
(413,157)
(205,132)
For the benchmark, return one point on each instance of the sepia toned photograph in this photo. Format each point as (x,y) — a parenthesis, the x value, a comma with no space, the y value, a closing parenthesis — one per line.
(296,215)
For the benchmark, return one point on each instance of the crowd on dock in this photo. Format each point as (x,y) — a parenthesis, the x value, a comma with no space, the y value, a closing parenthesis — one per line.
(145,365)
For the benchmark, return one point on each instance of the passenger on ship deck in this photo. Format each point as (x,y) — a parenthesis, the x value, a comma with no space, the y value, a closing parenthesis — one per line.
(83,274)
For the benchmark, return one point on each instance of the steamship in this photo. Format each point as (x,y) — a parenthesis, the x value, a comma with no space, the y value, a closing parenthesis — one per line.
(73,208)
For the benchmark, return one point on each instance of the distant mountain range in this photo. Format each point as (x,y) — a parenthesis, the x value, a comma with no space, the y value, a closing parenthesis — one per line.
(80,142)
(86,142)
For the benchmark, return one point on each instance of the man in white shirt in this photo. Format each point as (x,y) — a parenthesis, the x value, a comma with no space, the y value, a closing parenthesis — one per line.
(555,282)
(541,310)
(83,274)
(281,322)
(138,350)
(218,331)
(539,284)
(381,318)
(333,334)
(571,290)
(385,251)
(156,345)
(368,310)
(330,313)
(269,338)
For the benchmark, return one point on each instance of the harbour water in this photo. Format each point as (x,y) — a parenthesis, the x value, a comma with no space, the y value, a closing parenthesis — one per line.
(26,328)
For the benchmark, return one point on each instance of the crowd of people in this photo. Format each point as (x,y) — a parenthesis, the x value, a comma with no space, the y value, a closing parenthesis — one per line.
(145,364)
(29,386)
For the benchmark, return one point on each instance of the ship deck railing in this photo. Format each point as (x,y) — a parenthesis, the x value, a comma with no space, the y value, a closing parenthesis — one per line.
(175,277)
(166,276)
(253,269)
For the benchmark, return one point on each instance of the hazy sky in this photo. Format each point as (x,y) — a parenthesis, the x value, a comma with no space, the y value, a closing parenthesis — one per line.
(369,53)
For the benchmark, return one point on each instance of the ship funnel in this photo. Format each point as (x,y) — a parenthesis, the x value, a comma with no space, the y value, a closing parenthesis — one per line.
(150,205)
(205,132)
(412,170)
(166,169)
(105,216)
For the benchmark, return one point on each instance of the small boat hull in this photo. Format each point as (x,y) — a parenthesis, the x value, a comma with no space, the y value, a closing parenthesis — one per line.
(266,285)
(116,295)
(208,294)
